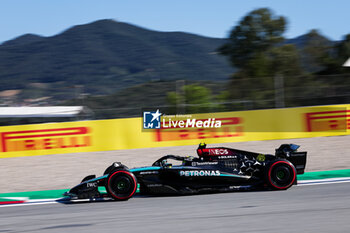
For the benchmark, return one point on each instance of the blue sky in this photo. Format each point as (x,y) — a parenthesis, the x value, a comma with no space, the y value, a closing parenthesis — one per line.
(212,18)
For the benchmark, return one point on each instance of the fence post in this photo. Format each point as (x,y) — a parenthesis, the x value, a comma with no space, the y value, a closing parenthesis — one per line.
(180,107)
(279,91)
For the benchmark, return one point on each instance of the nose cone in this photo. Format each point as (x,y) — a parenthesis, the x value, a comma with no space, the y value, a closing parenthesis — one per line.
(84,190)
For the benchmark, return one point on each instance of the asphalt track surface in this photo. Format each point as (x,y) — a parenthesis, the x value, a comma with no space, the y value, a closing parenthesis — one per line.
(314,208)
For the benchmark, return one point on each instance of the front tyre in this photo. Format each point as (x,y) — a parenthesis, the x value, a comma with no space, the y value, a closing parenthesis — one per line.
(121,185)
(281,175)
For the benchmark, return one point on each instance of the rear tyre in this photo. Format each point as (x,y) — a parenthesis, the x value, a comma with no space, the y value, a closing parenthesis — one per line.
(281,175)
(121,185)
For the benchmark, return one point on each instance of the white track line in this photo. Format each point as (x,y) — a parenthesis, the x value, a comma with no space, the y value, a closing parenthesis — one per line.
(49,201)
(324,181)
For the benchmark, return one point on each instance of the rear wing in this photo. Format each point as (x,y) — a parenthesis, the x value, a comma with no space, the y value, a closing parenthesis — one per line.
(298,159)
(289,152)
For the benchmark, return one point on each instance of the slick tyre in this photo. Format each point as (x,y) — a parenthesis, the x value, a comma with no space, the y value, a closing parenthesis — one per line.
(281,175)
(121,185)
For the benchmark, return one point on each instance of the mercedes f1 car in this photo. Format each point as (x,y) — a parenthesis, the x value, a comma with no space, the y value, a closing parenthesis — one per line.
(216,169)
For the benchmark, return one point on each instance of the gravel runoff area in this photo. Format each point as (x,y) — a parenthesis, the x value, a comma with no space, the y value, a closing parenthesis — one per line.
(63,171)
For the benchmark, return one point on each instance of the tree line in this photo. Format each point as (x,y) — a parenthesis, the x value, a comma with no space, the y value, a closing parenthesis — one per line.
(265,63)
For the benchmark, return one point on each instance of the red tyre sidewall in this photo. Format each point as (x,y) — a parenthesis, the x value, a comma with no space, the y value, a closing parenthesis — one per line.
(270,170)
(118,172)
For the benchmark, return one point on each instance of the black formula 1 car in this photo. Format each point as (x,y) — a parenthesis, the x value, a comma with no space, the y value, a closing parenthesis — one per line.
(217,169)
